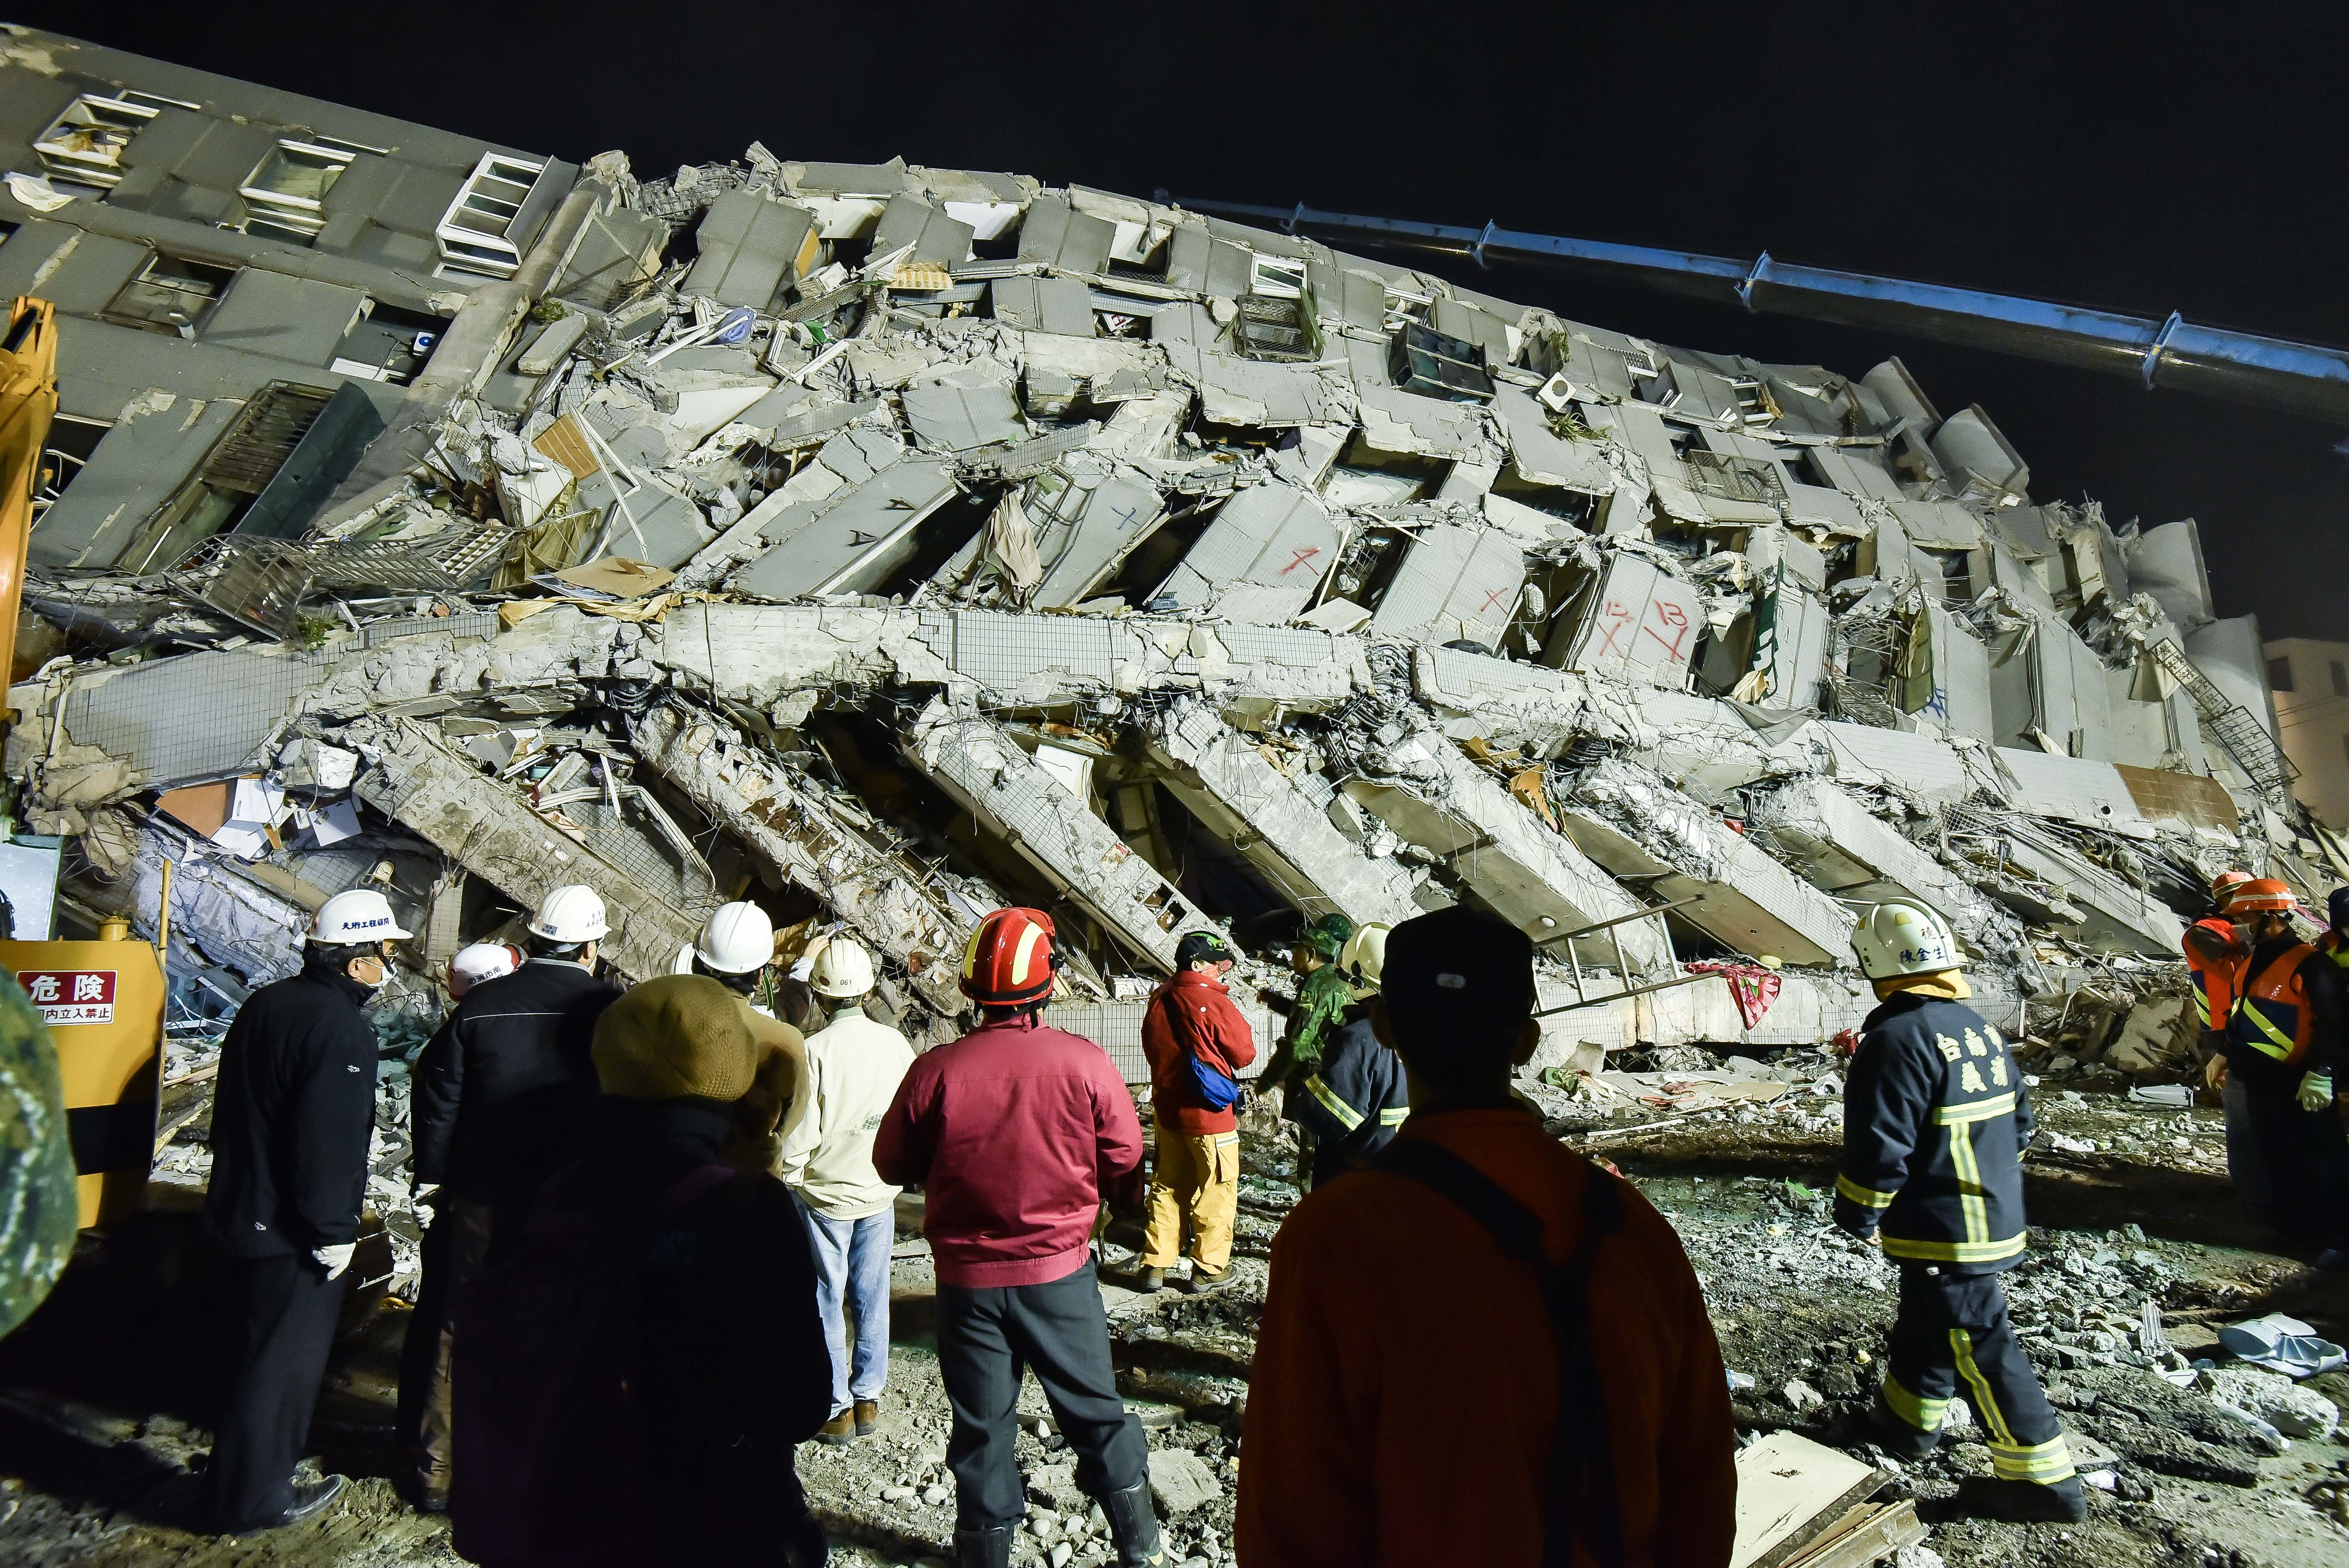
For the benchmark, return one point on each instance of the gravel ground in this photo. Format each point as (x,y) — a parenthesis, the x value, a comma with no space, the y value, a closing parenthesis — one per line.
(2134,1212)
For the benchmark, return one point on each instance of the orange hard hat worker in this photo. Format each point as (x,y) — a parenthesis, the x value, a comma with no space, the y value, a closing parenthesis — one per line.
(1008,961)
(2223,885)
(2259,896)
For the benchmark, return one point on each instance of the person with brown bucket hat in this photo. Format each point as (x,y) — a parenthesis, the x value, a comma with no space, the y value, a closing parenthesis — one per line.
(633,1381)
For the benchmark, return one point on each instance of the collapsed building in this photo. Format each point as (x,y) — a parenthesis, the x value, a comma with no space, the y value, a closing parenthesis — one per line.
(889,542)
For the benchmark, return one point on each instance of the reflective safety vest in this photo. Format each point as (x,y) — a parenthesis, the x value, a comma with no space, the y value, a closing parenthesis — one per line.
(2214,985)
(2332,947)
(2271,1016)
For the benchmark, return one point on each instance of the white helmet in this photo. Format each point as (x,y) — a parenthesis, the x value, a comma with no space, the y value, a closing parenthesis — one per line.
(481,961)
(570,915)
(350,919)
(1903,938)
(841,970)
(737,939)
(1363,960)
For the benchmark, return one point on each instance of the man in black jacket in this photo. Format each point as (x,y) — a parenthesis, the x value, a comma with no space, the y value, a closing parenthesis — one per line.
(291,1123)
(1935,1123)
(503,1094)
(1352,1101)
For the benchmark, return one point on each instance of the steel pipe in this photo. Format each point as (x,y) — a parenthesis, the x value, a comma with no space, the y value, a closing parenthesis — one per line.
(2307,378)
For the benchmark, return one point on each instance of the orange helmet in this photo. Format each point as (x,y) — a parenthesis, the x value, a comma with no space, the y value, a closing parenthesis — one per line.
(2262,894)
(1008,962)
(2223,885)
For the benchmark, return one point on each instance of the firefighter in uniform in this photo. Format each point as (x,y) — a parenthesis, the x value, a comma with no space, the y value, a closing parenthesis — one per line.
(2285,1148)
(1936,1121)
(1353,1102)
(2335,943)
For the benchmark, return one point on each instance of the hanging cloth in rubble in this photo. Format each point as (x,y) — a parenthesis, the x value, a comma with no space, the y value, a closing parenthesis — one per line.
(1751,986)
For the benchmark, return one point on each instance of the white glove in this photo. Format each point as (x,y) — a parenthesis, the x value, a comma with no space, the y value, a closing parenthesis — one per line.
(334,1259)
(423,1193)
(2315,1091)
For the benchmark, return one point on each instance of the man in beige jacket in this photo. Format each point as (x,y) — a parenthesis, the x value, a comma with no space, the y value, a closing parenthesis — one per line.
(854,1067)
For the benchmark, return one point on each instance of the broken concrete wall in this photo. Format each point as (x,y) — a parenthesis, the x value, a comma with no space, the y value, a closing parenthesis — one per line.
(488,829)
(2048,687)
(897,905)
(1281,825)
(1015,800)
(1531,875)
(1843,849)
(1636,824)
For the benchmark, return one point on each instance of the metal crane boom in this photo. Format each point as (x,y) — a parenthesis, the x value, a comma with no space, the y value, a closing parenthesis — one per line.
(2307,378)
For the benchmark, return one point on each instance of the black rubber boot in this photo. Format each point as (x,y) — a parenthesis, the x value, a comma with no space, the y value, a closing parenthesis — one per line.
(310,1500)
(1134,1526)
(2027,1502)
(1896,1437)
(989,1548)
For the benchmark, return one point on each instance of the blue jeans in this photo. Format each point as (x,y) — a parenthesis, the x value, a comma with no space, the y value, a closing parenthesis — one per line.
(852,1260)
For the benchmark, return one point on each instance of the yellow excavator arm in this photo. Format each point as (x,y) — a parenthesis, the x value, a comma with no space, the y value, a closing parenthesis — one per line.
(28,401)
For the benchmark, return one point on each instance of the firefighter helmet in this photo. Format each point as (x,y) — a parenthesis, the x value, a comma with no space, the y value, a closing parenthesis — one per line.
(2261,895)
(1008,961)
(1903,938)
(1364,957)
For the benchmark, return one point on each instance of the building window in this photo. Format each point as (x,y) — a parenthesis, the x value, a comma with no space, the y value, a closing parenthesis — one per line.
(168,296)
(2280,674)
(287,188)
(2340,678)
(85,142)
(473,233)
(2345,747)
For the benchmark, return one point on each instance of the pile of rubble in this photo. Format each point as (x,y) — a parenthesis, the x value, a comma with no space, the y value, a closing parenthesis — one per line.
(887,542)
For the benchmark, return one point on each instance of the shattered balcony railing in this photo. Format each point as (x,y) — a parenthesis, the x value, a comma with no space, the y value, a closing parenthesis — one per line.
(1734,479)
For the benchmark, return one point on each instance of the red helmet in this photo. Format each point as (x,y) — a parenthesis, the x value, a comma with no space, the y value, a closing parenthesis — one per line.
(2261,894)
(1008,962)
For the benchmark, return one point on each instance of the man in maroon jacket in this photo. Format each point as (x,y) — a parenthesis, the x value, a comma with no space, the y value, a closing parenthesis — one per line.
(1012,1132)
(1193,1025)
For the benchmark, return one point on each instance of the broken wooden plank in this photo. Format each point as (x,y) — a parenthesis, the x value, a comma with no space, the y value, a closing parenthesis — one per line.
(1868,1533)
(1788,1488)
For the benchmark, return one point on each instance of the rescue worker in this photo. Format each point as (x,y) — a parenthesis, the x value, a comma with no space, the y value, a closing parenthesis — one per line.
(473,963)
(504,1096)
(2335,943)
(1352,1105)
(478,962)
(1012,1130)
(736,945)
(1935,1122)
(1197,1040)
(1482,1350)
(2215,951)
(853,1068)
(1322,998)
(291,1123)
(2285,1149)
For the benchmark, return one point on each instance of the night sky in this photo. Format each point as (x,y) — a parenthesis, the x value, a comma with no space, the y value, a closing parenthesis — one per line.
(2144,159)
